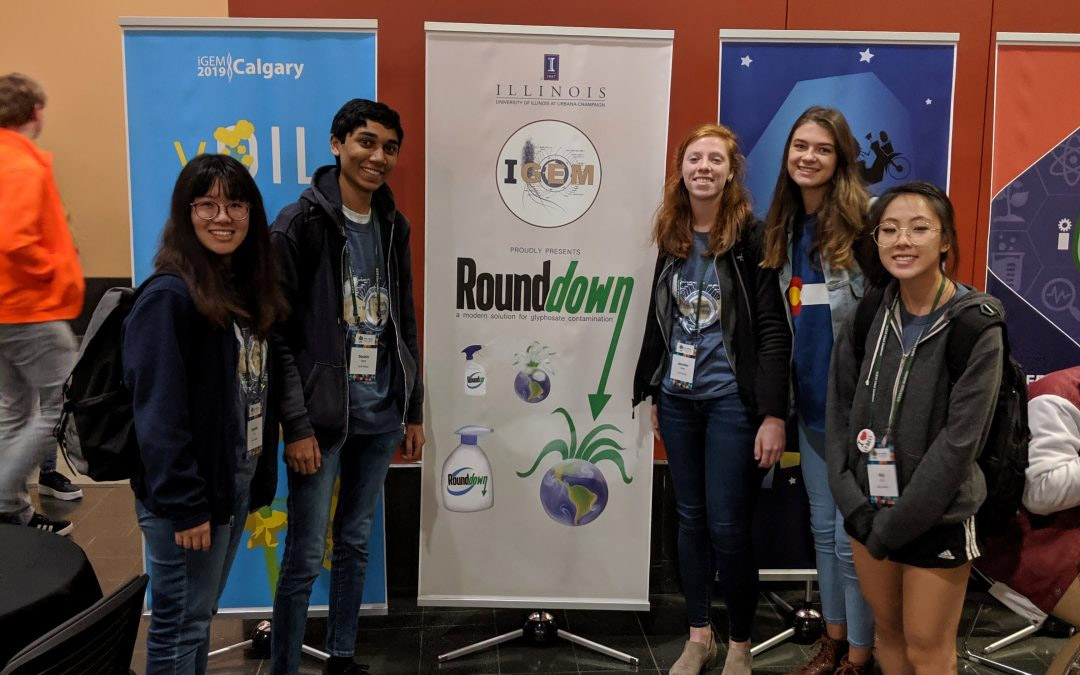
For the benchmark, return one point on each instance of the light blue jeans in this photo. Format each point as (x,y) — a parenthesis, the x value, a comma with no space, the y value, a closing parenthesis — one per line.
(35,360)
(185,587)
(362,463)
(842,601)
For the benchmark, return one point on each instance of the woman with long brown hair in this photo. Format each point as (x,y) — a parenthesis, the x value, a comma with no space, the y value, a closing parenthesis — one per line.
(715,361)
(812,234)
(201,374)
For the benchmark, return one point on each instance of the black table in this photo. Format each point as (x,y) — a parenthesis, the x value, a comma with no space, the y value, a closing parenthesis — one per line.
(45,579)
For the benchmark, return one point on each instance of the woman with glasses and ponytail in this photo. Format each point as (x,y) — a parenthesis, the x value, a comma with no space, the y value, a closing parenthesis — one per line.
(903,433)
(201,376)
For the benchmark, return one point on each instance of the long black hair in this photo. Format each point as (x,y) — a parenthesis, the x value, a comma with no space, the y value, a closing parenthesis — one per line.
(246,288)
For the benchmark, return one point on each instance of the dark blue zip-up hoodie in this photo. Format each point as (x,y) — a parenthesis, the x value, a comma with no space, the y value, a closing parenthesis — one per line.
(181,372)
(308,238)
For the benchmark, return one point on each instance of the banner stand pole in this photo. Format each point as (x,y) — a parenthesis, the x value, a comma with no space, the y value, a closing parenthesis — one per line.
(540,629)
(807,614)
(261,635)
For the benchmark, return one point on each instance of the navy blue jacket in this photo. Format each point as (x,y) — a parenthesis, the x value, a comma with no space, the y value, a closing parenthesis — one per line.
(308,238)
(181,372)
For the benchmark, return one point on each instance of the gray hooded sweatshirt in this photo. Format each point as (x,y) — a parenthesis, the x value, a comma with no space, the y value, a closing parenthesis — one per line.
(937,435)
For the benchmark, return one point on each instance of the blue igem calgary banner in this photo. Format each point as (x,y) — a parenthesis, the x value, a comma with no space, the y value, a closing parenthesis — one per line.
(266,97)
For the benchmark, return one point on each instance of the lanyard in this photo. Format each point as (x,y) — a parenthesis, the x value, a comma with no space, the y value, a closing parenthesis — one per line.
(906,362)
(376,274)
(700,293)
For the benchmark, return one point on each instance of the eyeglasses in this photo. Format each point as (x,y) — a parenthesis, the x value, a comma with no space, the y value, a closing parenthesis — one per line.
(887,234)
(208,210)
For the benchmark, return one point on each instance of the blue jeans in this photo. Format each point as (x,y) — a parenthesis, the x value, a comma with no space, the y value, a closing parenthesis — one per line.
(842,601)
(35,360)
(185,587)
(710,448)
(362,462)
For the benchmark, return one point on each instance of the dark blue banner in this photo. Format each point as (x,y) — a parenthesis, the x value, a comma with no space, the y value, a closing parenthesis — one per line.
(897,99)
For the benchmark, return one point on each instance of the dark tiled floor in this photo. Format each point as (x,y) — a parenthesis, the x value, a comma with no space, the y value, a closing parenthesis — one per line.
(409,638)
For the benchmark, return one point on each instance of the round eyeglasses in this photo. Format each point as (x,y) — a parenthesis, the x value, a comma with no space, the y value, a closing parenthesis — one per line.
(887,234)
(208,210)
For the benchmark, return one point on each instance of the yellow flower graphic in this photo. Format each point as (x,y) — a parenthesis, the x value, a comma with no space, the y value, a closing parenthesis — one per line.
(264,527)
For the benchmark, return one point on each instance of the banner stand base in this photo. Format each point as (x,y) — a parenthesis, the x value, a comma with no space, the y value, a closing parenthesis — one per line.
(260,640)
(540,629)
(807,624)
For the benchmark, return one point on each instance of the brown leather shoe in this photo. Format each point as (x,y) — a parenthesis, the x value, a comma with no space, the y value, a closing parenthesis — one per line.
(848,668)
(830,652)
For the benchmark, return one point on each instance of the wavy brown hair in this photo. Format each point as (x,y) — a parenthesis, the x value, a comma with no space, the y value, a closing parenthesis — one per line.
(841,218)
(247,288)
(672,231)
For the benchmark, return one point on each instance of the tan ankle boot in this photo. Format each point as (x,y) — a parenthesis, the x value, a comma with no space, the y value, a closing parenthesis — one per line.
(695,658)
(738,662)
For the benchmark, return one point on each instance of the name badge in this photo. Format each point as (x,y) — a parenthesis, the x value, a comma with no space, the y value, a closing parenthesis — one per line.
(363,357)
(881,472)
(682,365)
(254,436)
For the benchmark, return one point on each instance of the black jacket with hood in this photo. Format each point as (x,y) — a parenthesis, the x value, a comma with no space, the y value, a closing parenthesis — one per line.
(308,238)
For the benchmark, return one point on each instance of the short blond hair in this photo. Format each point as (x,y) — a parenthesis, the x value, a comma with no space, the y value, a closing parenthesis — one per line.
(19,96)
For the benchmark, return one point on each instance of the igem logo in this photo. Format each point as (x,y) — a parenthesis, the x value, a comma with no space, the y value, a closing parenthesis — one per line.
(548,173)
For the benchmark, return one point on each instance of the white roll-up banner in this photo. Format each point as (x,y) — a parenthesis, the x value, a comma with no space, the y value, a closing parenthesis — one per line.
(545,165)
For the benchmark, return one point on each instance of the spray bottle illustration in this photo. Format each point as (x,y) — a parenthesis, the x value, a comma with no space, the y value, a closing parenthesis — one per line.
(467,474)
(475,375)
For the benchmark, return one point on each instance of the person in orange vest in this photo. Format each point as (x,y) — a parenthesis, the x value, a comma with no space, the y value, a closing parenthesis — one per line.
(41,288)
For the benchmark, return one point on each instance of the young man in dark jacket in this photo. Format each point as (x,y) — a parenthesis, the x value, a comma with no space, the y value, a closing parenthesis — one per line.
(353,392)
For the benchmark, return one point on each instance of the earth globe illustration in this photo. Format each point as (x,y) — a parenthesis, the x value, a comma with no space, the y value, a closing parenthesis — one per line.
(574,492)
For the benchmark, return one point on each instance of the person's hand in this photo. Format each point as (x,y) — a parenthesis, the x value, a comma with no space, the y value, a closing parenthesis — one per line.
(413,447)
(195,539)
(770,442)
(655,423)
(303,456)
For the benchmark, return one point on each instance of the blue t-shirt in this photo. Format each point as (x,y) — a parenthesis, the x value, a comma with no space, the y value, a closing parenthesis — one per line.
(251,381)
(811,321)
(372,410)
(914,326)
(696,320)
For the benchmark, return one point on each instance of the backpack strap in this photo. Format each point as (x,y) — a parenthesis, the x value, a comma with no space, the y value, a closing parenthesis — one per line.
(864,317)
(968,324)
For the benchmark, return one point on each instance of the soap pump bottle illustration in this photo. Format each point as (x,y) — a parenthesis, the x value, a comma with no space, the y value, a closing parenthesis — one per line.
(466,474)
(475,375)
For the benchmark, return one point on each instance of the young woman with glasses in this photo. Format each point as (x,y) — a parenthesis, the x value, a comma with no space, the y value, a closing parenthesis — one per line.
(814,236)
(715,362)
(903,439)
(202,382)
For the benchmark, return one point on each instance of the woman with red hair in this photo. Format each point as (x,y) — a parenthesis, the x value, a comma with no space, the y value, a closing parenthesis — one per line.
(715,362)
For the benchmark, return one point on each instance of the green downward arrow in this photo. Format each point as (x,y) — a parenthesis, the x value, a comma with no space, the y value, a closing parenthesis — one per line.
(600,399)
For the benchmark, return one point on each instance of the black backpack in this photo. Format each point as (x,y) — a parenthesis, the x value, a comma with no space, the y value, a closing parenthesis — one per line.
(1004,458)
(96,431)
